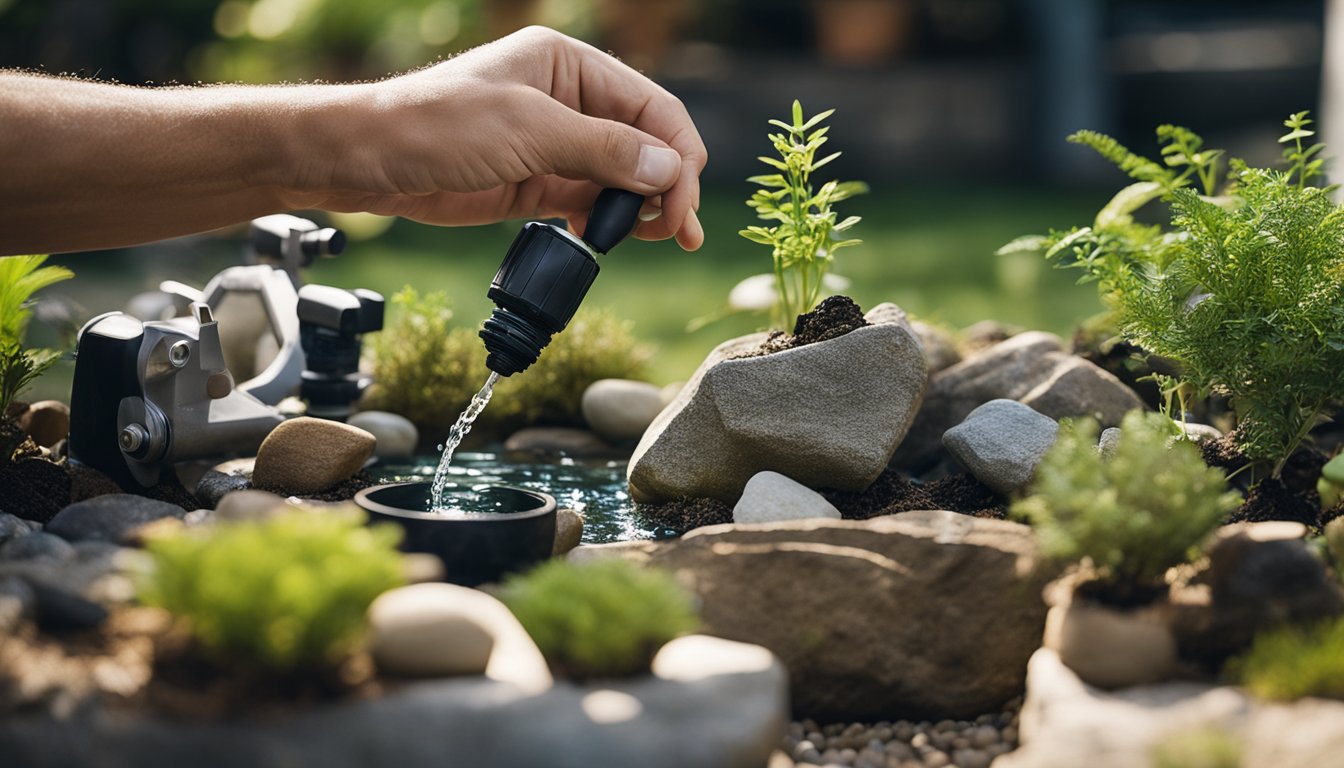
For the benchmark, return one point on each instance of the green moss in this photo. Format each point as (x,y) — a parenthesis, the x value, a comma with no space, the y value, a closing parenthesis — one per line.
(288,593)
(427,370)
(1134,514)
(601,619)
(1199,748)
(1294,662)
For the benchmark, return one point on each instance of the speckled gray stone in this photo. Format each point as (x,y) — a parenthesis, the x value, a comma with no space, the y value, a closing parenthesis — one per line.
(1001,442)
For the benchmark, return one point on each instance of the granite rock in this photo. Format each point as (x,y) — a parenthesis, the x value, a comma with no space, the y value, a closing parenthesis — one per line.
(1001,442)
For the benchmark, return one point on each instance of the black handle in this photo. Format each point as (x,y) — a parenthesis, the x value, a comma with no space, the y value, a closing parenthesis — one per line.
(612,219)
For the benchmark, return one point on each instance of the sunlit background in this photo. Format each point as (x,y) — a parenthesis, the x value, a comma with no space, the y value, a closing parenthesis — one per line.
(953,110)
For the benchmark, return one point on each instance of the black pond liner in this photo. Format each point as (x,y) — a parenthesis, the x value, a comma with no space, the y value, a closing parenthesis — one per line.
(475,548)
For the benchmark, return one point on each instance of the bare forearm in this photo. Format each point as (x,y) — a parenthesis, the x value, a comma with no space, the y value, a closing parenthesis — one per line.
(90,165)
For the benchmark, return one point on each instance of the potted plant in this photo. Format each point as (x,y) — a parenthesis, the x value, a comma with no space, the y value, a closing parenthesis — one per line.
(1124,517)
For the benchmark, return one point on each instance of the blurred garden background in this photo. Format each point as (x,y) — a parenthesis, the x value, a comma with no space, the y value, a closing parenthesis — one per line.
(954,111)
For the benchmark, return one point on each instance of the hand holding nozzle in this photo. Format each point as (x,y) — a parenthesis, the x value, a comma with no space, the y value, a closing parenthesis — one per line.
(545,276)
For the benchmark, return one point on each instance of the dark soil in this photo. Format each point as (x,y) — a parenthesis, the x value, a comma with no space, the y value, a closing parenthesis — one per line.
(1291,497)
(1271,499)
(34,489)
(681,515)
(890,493)
(342,491)
(834,317)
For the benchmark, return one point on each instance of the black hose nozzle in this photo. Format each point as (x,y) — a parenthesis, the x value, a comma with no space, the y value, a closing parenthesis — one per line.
(544,277)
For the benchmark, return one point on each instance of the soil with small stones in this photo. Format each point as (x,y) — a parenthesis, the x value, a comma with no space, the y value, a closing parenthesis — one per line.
(834,317)
(34,489)
(889,494)
(342,491)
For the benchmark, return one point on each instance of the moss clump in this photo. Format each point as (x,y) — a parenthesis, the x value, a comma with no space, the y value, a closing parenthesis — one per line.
(288,593)
(427,370)
(1134,514)
(601,619)
(1294,662)
(1200,748)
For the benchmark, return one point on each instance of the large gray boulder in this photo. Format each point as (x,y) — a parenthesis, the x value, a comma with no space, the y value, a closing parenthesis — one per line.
(828,414)
(922,615)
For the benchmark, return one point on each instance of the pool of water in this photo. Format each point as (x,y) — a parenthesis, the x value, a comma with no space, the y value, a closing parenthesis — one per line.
(595,488)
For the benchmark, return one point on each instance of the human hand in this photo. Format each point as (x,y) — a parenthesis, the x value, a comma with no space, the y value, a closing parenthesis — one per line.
(531,125)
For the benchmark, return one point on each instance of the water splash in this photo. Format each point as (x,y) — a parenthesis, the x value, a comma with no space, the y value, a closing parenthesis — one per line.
(437,503)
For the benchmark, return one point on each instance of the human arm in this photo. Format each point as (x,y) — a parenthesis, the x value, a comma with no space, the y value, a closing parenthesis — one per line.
(530,125)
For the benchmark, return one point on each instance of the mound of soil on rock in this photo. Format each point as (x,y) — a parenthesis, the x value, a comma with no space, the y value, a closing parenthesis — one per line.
(834,317)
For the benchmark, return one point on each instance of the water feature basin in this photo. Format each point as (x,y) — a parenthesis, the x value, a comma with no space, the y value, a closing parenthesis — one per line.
(515,532)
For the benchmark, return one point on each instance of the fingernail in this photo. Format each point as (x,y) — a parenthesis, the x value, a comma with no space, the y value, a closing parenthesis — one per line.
(658,166)
(650,212)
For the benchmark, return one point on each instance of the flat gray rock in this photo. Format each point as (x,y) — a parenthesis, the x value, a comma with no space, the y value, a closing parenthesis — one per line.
(922,615)
(709,703)
(828,414)
(1001,442)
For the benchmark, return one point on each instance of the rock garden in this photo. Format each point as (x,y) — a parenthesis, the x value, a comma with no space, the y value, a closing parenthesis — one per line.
(868,541)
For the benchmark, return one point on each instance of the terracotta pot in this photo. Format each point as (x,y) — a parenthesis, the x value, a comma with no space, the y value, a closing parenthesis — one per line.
(1112,647)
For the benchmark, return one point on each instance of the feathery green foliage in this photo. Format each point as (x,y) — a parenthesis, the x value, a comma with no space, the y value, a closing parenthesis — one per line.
(803,241)
(601,619)
(1134,513)
(427,370)
(288,593)
(20,278)
(1243,290)
(1293,662)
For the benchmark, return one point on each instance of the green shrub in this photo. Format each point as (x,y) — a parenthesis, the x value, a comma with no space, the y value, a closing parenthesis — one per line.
(1293,662)
(427,370)
(1134,514)
(601,619)
(287,593)
(1242,290)
(1199,748)
(20,278)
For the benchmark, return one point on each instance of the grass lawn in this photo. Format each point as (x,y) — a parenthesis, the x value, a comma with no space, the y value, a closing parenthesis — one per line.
(929,250)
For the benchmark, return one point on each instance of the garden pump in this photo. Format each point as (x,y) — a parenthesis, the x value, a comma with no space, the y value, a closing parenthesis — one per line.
(544,277)
(147,395)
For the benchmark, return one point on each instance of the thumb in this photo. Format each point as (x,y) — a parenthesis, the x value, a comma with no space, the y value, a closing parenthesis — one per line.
(610,153)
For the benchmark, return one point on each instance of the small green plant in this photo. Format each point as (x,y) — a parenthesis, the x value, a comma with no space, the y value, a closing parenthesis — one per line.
(1198,748)
(601,619)
(1242,291)
(427,370)
(1292,662)
(1133,514)
(288,593)
(803,241)
(20,278)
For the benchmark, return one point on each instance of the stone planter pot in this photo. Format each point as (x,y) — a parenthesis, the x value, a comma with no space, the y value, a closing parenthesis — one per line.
(708,702)
(1112,647)
(475,548)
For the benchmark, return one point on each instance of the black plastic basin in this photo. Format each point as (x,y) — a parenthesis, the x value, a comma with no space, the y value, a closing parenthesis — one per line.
(475,548)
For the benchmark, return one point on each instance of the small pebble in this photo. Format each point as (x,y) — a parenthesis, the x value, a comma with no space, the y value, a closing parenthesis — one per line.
(947,743)
(971,758)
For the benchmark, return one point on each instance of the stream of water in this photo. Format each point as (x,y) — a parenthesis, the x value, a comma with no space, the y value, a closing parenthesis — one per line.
(437,502)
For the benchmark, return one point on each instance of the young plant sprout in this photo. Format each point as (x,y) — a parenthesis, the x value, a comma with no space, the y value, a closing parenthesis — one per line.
(803,237)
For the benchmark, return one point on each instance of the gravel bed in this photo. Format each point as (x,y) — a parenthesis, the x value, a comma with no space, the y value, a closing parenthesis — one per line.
(904,743)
